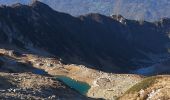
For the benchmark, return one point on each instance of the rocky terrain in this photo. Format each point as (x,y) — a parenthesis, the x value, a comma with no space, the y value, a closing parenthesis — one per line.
(21,83)
(19,80)
(38,44)
(30,86)
(103,85)
(107,43)
(152,88)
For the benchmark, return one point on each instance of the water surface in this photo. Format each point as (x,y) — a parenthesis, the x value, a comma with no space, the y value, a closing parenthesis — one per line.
(81,87)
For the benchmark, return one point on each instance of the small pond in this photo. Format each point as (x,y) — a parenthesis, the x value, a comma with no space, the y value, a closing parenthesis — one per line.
(81,87)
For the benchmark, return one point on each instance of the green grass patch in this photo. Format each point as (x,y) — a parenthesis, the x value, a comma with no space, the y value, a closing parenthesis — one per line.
(142,85)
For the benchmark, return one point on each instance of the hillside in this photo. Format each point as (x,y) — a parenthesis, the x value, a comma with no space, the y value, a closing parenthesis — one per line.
(109,44)
(152,88)
(19,86)
(42,51)
(18,69)
(102,85)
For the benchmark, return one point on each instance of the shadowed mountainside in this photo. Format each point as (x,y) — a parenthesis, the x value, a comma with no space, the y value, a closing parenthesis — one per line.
(112,44)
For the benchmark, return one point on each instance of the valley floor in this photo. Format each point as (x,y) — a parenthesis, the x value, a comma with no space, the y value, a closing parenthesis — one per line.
(108,86)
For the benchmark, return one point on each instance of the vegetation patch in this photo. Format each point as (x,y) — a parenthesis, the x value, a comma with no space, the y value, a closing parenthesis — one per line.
(142,85)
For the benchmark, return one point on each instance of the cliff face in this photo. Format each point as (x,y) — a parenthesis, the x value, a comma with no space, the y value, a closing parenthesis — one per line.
(109,44)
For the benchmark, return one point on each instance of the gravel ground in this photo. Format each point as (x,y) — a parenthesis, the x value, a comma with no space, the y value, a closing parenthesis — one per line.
(31,86)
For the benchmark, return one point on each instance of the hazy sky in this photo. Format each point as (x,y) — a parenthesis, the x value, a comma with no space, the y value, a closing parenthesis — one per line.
(132,9)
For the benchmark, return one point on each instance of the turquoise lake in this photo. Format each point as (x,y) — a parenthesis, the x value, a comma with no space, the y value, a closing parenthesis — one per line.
(81,87)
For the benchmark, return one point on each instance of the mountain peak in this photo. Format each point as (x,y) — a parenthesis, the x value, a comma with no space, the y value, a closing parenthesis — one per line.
(119,18)
(38,4)
(35,2)
(16,5)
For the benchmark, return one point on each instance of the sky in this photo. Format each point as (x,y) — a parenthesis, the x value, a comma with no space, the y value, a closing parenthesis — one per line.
(149,10)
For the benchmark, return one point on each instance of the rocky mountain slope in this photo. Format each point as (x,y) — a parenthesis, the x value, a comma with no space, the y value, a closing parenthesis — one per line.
(36,39)
(21,79)
(19,82)
(102,85)
(18,86)
(94,40)
(112,44)
(152,88)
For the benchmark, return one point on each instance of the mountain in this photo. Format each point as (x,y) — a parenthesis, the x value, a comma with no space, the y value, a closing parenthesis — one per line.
(150,10)
(112,44)
(45,54)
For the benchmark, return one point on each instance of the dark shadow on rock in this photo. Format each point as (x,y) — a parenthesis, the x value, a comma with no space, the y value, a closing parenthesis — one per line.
(5,83)
(11,65)
(94,40)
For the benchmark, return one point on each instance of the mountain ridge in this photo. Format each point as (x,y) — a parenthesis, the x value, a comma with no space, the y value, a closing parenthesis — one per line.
(109,53)
(132,9)
(94,40)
